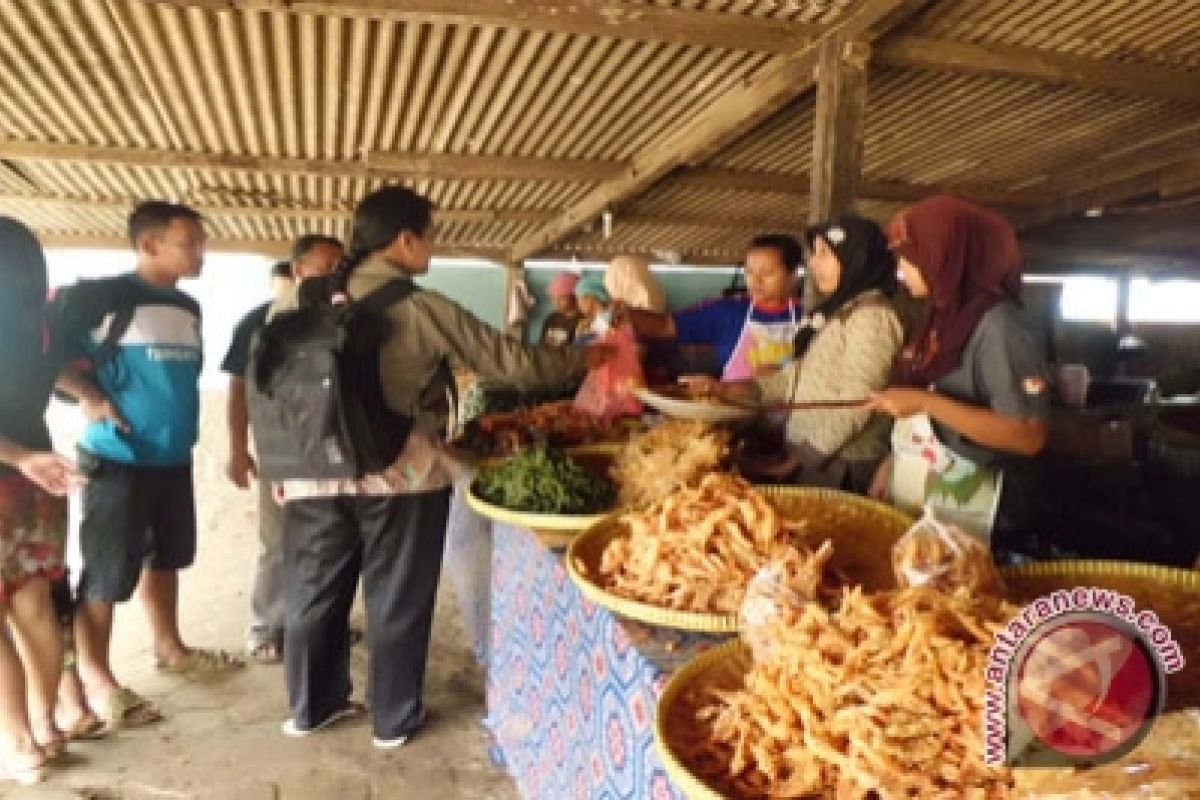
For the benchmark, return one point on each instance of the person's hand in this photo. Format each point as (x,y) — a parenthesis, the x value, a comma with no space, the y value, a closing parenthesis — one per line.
(701,384)
(899,402)
(599,354)
(241,468)
(52,472)
(98,407)
(881,481)
(618,310)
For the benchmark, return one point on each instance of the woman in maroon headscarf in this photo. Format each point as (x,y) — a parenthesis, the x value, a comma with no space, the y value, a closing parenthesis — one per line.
(971,386)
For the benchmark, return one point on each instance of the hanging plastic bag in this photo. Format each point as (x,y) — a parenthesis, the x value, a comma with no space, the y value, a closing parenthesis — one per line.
(944,557)
(607,391)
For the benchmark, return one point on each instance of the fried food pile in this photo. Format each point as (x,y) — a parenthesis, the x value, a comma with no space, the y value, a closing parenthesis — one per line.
(558,424)
(698,549)
(880,698)
(673,455)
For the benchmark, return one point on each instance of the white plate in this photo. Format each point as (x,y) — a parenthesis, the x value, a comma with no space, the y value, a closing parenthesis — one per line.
(693,409)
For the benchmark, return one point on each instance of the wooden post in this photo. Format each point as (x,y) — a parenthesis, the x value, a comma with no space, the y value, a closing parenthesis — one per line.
(514,271)
(838,128)
(837,134)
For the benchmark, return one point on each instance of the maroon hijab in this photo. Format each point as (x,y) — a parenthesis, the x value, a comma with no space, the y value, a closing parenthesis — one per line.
(970,260)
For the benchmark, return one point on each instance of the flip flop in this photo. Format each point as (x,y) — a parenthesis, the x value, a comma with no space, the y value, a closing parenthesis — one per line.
(200,661)
(126,708)
(86,728)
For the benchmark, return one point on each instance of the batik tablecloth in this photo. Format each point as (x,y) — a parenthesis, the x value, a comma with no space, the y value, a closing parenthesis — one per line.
(468,564)
(571,688)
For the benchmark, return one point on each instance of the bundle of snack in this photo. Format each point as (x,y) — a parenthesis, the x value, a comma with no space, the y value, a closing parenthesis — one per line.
(945,557)
(672,455)
(880,698)
(544,481)
(698,549)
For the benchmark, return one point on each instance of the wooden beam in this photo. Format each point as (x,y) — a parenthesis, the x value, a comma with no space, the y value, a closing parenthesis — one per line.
(839,118)
(273,248)
(737,111)
(386,166)
(1047,258)
(917,52)
(124,205)
(626,20)
(798,185)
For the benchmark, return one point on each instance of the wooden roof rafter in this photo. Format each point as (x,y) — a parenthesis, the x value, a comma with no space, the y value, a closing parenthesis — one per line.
(739,110)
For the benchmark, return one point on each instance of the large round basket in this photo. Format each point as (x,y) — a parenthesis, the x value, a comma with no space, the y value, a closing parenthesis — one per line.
(722,667)
(1172,594)
(863,532)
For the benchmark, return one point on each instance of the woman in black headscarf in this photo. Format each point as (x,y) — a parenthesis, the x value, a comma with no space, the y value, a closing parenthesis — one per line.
(844,351)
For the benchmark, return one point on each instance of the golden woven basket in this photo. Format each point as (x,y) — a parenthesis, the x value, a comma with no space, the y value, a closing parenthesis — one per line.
(552,529)
(723,666)
(862,547)
(1171,593)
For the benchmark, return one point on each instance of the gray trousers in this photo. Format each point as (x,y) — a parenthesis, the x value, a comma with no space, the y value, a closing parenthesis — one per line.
(266,593)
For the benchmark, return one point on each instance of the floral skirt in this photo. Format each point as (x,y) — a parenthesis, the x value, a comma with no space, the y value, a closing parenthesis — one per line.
(33,530)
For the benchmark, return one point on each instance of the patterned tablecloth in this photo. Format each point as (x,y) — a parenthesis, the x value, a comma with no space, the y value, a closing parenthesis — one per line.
(571,688)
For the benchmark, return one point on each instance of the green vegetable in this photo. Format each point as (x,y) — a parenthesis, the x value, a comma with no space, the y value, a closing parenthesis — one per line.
(544,481)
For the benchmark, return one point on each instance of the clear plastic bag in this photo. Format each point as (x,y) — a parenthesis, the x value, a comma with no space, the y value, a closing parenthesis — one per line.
(777,595)
(945,557)
(608,390)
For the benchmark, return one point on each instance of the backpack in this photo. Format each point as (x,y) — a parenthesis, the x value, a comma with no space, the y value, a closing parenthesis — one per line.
(313,385)
(122,318)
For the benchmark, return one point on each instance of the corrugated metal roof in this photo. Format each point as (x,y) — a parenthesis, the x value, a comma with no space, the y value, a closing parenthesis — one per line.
(336,89)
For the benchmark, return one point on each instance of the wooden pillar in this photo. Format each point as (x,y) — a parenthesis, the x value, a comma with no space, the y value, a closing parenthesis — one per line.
(514,271)
(837,134)
(838,127)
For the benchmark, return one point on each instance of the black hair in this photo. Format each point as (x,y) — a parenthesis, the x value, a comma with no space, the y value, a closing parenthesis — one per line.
(788,248)
(23,270)
(379,218)
(281,269)
(305,244)
(154,216)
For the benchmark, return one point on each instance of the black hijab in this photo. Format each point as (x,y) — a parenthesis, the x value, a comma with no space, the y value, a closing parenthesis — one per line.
(867,264)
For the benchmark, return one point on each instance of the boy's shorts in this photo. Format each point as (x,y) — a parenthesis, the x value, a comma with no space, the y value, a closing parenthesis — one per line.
(134,517)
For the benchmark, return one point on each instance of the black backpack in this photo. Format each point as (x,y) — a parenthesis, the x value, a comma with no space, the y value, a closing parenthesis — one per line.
(317,407)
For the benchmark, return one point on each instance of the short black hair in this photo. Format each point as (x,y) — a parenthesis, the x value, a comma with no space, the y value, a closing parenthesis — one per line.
(281,269)
(154,216)
(305,244)
(788,248)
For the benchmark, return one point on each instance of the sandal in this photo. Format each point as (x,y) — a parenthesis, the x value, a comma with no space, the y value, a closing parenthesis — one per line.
(86,728)
(265,652)
(199,662)
(126,708)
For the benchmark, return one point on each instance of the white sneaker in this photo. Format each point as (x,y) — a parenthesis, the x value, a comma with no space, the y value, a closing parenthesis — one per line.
(350,711)
(399,741)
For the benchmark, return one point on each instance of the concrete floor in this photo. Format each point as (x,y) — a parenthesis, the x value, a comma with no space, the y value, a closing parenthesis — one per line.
(221,739)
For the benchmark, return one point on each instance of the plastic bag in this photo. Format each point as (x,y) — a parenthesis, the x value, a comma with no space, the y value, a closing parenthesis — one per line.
(945,557)
(607,391)
(776,597)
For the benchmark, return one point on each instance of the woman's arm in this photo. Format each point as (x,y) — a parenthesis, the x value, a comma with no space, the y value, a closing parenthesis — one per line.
(50,471)
(991,429)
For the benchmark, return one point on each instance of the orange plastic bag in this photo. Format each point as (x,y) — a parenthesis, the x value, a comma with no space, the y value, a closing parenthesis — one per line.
(607,391)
